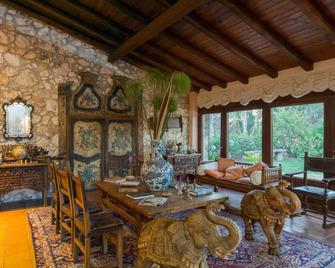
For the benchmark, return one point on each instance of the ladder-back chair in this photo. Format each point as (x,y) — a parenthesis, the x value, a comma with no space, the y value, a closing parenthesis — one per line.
(54,196)
(324,194)
(88,225)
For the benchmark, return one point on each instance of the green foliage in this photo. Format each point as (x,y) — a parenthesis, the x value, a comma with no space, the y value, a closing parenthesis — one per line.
(245,135)
(240,144)
(160,83)
(214,146)
(299,129)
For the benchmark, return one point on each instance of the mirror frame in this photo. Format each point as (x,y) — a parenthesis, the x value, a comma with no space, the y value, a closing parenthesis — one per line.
(17,100)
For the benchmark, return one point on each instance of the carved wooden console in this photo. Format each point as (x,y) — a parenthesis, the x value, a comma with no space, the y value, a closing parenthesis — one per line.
(20,176)
(184,163)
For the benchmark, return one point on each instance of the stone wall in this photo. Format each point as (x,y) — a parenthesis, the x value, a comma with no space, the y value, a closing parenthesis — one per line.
(34,59)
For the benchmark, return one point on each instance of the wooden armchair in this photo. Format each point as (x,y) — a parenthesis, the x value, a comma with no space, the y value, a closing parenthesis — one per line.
(88,225)
(316,164)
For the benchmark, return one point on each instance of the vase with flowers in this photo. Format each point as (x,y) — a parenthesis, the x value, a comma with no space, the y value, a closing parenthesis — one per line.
(166,88)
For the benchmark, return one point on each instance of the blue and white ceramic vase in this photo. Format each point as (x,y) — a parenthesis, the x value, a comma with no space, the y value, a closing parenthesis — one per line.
(157,172)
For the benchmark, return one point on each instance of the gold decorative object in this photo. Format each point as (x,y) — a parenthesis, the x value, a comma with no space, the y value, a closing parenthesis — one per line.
(19,152)
(270,207)
(185,243)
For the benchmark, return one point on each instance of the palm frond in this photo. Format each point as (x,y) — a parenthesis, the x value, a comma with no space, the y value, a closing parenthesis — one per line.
(173,105)
(165,88)
(182,83)
(133,91)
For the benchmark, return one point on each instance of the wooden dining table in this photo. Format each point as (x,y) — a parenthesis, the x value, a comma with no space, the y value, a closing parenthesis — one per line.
(114,197)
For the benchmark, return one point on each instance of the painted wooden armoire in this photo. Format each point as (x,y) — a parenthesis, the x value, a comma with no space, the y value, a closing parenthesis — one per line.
(98,132)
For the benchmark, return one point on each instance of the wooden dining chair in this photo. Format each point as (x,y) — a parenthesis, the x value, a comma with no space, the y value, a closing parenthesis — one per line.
(65,204)
(88,225)
(54,196)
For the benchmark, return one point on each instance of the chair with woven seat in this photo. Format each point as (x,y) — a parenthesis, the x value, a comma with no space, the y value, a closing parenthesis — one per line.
(325,194)
(88,225)
(54,197)
(65,204)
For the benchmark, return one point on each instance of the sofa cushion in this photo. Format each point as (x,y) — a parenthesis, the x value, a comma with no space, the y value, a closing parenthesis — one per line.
(211,165)
(224,163)
(244,180)
(214,173)
(233,173)
(256,167)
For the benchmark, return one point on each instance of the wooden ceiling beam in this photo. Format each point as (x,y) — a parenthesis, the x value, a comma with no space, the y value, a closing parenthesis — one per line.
(317,16)
(163,21)
(84,13)
(265,31)
(131,59)
(111,26)
(185,66)
(85,30)
(59,25)
(226,42)
(100,20)
(55,17)
(144,20)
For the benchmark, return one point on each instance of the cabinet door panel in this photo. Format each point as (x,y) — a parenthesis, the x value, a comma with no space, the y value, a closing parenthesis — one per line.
(87,150)
(120,147)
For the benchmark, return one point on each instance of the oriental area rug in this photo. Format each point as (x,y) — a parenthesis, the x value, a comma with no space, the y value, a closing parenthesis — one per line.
(297,250)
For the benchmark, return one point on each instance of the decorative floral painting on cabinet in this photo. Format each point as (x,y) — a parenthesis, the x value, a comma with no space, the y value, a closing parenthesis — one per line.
(118,102)
(121,138)
(87,99)
(88,138)
(87,151)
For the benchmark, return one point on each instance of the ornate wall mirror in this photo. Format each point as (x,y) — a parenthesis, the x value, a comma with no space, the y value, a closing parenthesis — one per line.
(17,124)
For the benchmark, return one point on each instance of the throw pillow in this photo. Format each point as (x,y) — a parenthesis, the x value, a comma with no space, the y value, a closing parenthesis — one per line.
(233,173)
(224,163)
(214,173)
(256,177)
(256,167)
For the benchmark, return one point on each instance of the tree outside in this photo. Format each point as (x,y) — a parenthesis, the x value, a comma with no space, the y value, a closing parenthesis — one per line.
(297,129)
(245,135)
(211,133)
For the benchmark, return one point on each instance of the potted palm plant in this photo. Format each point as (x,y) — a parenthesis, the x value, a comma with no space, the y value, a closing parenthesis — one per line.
(165,88)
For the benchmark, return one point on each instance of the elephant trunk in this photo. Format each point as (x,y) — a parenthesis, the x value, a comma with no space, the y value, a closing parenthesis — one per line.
(223,244)
(295,204)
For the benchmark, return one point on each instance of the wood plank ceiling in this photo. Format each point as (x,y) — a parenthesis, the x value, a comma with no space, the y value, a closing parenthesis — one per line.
(213,41)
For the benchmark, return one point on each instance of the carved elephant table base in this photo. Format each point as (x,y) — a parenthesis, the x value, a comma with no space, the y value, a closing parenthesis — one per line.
(185,243)
(270,208)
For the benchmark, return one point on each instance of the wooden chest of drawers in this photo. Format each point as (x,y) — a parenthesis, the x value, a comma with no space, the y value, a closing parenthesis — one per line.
(184,163)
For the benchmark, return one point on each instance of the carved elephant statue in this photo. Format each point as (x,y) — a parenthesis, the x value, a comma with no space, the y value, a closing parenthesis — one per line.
(185,243)
(270,207)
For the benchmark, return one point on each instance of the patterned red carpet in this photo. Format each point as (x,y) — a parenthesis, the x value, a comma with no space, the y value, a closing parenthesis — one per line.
(297,250)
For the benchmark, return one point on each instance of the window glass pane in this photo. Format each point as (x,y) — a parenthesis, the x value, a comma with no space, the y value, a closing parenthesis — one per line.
(211,136)
(295,130)
(245,135)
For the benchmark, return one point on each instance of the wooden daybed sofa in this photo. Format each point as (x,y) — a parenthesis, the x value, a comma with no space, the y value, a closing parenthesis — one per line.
(270,176)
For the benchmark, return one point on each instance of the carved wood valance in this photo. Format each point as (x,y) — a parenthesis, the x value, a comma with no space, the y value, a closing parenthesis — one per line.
(290,85)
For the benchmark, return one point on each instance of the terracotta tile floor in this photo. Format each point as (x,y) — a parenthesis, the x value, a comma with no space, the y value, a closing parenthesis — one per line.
(16,247)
